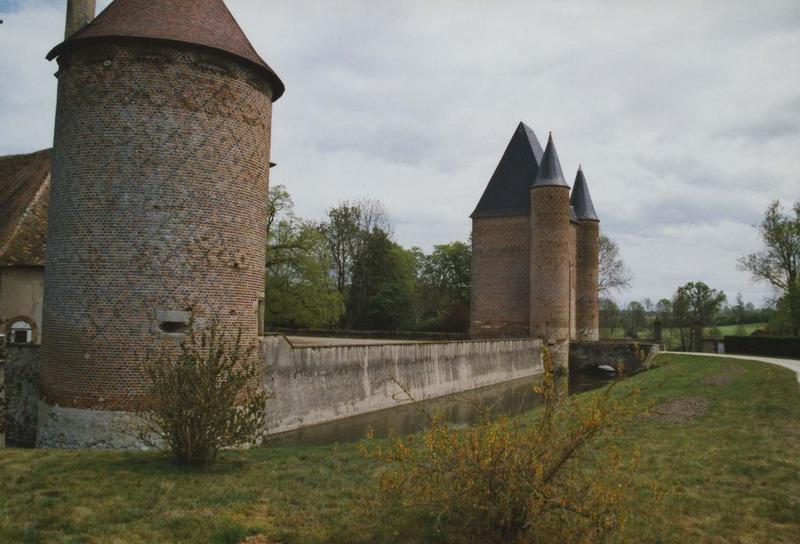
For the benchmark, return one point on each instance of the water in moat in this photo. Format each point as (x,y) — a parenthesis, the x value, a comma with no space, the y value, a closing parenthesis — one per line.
(510,398)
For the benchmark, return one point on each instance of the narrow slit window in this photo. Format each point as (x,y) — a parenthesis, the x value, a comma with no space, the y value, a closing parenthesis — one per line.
(174,327)
(174,322)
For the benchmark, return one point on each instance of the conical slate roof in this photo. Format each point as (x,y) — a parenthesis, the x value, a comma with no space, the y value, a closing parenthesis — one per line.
(550,174)
(507,192)
(206,23)
(581,200)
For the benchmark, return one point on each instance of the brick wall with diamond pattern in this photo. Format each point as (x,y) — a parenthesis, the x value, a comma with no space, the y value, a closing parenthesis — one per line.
(158,204)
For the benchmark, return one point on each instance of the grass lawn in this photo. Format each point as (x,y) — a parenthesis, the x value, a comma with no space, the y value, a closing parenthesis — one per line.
(731,475)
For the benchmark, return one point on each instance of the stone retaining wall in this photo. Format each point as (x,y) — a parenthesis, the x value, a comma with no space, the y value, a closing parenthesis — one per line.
(21,371)
(318,384)
(633,355)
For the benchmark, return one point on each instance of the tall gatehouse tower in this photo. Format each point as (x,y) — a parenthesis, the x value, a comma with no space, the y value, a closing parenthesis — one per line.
(535,250)
(551,259)
(157,217)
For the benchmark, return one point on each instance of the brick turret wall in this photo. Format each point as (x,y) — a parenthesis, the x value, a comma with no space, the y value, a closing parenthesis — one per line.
(157,210)
(573,276)
(500,276)
(551,232)
(588,258)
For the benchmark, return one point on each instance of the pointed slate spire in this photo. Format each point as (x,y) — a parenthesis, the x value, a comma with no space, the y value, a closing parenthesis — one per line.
(550,174)
(507,193)
(581,200)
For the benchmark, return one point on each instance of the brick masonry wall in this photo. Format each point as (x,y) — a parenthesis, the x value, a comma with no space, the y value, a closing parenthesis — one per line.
(550,265)
(500,276)
(158,203)
(573,277)
(588,258)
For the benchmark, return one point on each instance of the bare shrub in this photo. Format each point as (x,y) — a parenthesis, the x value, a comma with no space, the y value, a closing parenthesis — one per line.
(506,481)
(206,398)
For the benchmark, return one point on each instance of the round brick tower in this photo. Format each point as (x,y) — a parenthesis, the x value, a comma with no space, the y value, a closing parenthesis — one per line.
(157,219)
(551,234)
(587,253)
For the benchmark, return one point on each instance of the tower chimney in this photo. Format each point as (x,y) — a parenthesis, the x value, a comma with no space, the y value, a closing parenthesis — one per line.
(79,14)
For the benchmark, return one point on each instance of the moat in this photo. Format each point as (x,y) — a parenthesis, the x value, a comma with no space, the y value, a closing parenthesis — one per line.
(509,398)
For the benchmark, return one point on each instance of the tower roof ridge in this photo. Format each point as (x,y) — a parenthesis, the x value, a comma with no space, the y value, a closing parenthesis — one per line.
(206,23)
(550,174)
(507,193)
(581,200)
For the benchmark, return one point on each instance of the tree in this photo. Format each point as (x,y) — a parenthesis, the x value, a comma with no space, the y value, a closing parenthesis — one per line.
(664,312)
(345,230)
(300,290)
(738,312)
(633,319)
(779,262)
(382,292)
(609,316)
(443,286)
(694,306)
(614,273)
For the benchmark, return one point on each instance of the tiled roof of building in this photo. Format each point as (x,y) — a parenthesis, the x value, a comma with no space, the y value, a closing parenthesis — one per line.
(508,191)
(198,22)
(24,195)
(550,173)
(581,200)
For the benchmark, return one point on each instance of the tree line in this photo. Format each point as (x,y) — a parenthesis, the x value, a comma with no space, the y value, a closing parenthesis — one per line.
(346,271)
(696,310)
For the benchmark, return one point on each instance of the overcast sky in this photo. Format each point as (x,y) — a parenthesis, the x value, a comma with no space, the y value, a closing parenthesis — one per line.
(684,114)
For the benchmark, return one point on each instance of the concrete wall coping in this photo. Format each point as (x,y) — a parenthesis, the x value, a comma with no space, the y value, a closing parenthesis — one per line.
(394,342)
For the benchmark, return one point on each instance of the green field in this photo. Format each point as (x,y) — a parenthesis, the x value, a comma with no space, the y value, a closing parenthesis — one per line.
(672,338)
(730,475)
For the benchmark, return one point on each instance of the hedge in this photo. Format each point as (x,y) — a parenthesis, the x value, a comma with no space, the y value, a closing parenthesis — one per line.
(779,346)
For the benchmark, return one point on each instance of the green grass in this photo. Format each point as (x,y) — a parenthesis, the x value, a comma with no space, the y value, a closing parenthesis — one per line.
(729,476)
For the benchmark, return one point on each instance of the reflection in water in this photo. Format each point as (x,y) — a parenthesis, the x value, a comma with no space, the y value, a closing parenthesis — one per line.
(462,409)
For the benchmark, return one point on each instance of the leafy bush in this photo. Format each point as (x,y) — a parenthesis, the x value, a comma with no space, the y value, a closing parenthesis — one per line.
(779,346)
(505,481)
(205,398)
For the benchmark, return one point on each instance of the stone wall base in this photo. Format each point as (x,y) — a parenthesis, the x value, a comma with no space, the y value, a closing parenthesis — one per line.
(76,428)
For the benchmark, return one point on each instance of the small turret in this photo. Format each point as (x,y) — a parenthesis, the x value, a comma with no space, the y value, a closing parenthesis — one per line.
(79,14)
(550,256)
(587,254)
(581,200)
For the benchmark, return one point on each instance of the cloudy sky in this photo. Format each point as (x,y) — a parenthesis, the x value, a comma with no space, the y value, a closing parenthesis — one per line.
(684,114)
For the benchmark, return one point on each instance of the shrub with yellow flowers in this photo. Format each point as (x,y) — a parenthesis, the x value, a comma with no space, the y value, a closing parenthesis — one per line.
(554,477)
